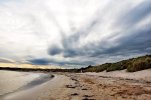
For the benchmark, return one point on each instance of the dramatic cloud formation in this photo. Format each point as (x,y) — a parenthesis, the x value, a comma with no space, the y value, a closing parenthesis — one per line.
(74,32)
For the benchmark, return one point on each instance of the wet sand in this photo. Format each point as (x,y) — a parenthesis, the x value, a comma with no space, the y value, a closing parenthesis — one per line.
(13,82)
(90,86)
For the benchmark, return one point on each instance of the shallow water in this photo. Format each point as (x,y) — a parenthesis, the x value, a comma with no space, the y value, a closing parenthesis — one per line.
(13,81)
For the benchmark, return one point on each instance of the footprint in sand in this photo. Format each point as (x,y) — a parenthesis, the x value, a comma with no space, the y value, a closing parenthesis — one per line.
(88,97)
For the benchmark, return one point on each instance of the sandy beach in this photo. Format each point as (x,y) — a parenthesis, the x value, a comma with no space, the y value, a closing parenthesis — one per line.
(91,86)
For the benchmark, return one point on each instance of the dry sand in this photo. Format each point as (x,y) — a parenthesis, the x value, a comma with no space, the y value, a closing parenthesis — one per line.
(118,85)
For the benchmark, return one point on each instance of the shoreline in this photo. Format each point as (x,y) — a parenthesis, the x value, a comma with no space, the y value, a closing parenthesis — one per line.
(91,86)
(39,92)
(31,80)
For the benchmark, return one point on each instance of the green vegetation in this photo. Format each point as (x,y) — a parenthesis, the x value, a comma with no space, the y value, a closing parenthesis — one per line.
(131,65)
(97,68)
(139,64)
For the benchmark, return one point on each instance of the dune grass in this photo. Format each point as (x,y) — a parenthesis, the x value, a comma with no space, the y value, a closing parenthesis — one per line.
(131,65)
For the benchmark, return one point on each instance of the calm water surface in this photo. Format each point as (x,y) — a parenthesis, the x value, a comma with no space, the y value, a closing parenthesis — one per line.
(13,81)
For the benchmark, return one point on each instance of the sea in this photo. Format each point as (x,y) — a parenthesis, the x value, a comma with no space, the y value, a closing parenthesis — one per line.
(15,81)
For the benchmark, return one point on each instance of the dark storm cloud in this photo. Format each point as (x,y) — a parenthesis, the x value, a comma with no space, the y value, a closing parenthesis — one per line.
(74,33)
(67,42)
(130,40)
(40,61)
(70,53)
(138,42)
(54,50)
(135,41)
(44,61)
(133,44)
(70,43)
(135,15)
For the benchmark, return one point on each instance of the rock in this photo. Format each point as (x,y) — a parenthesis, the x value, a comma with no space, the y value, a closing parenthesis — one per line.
(87,95)
(84,89)
(87,99)
(74,94)
(70,86)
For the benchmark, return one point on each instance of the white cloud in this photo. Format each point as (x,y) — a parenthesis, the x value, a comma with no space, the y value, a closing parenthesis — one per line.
(28,28)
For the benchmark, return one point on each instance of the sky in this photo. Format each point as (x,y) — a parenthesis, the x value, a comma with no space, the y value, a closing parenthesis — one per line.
(73,33)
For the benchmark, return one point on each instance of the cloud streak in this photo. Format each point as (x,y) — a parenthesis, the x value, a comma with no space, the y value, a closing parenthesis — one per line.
(71,32)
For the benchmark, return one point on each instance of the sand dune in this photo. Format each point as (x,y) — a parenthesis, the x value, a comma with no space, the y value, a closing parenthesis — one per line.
(144,75)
